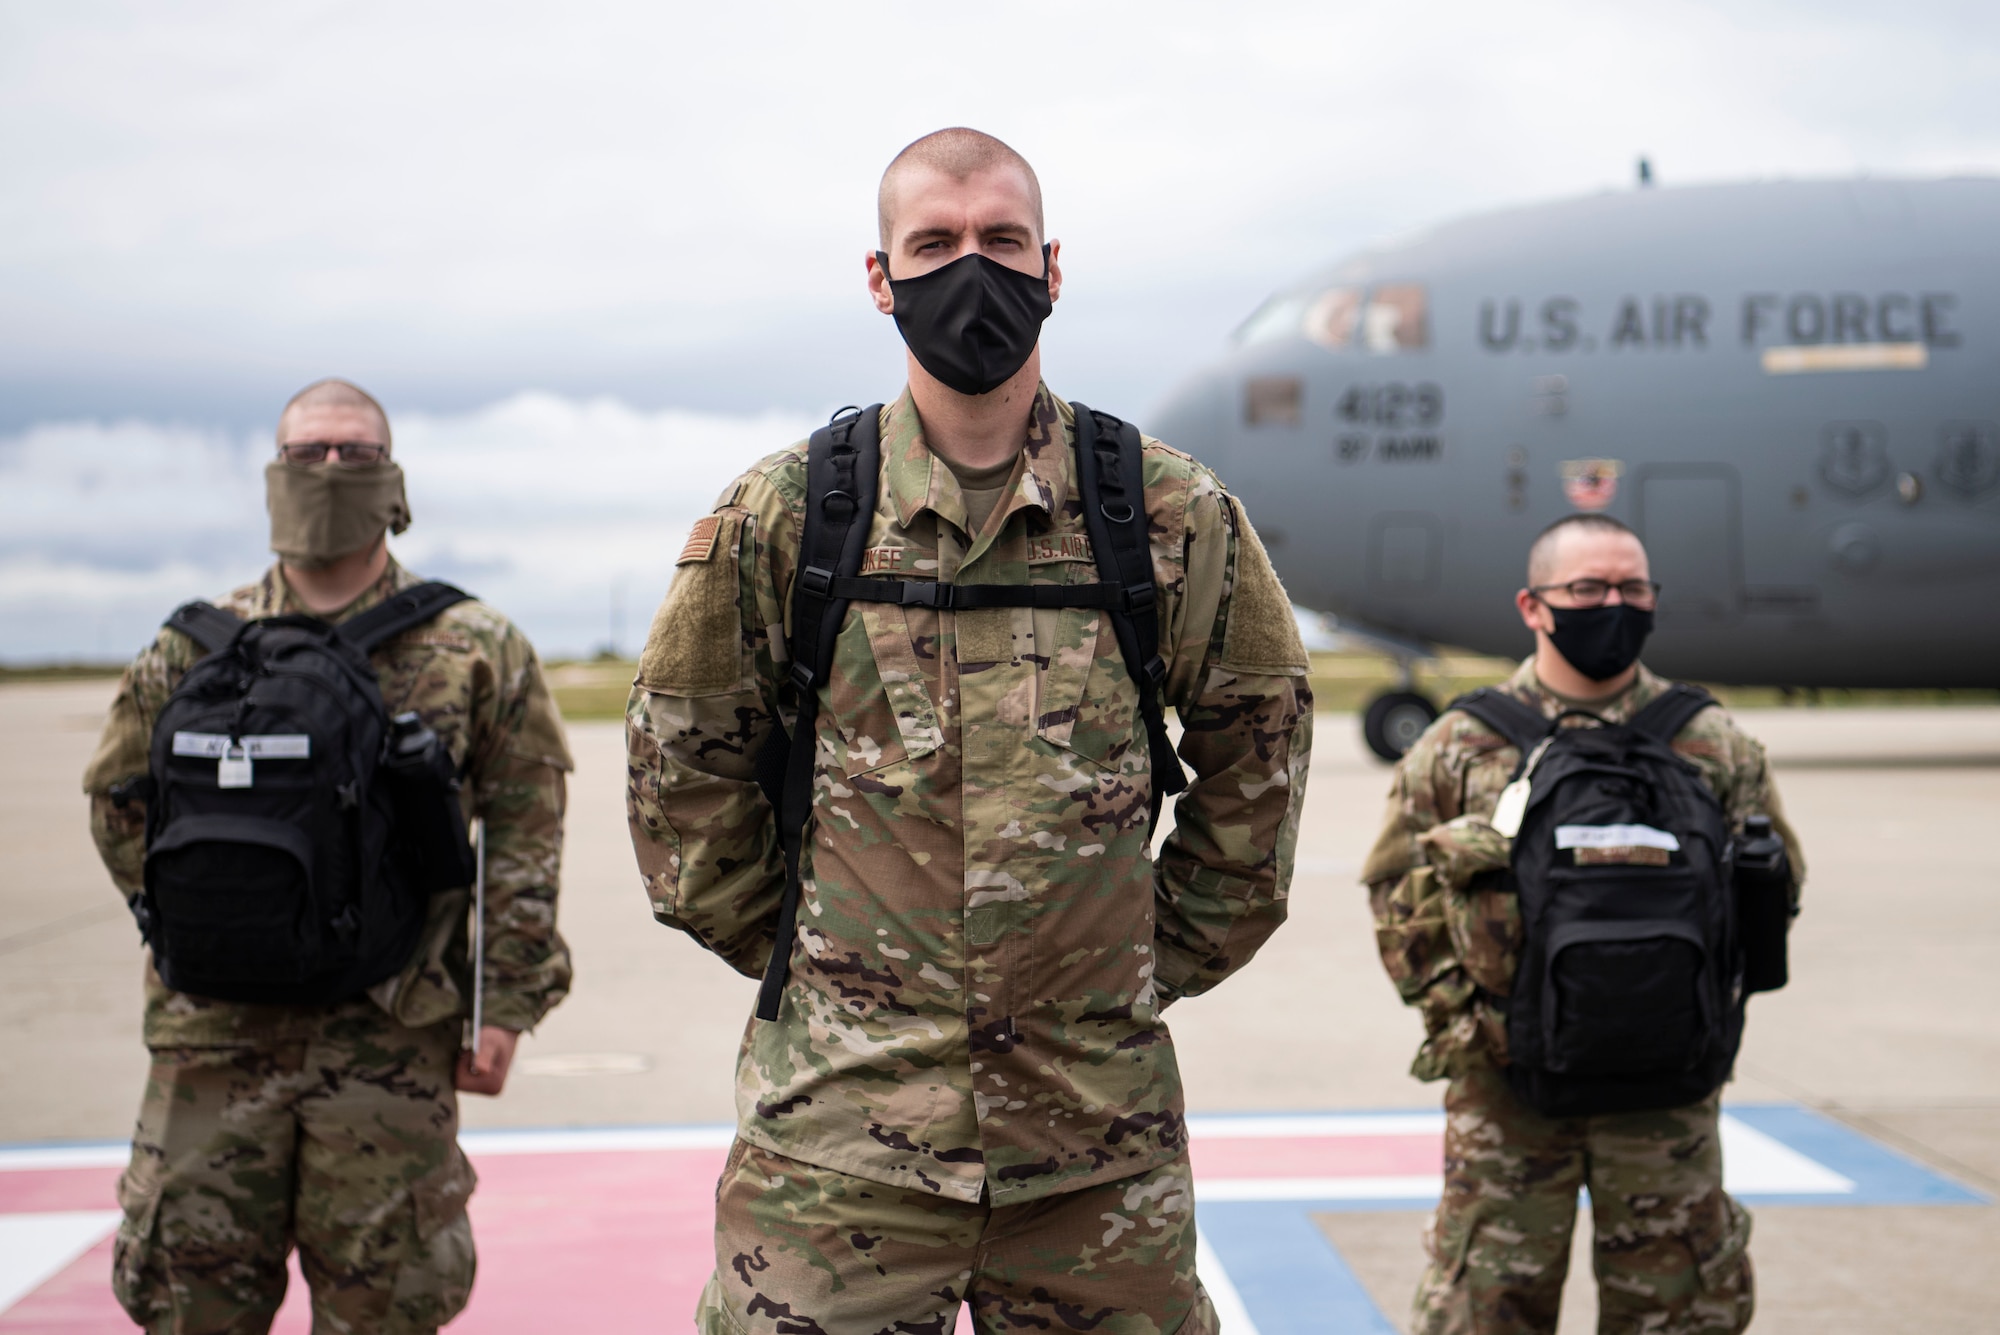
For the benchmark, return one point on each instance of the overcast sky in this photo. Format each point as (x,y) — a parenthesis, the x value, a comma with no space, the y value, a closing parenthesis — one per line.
(665,208)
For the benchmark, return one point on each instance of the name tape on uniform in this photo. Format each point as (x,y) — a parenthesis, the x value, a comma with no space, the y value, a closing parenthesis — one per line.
(260,746)
(1615,836)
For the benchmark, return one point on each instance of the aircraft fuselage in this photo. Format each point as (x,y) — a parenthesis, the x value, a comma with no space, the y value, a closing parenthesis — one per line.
(1789,390)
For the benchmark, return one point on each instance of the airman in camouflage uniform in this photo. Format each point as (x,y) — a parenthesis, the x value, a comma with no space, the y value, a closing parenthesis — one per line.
(1669,1242)
(970,1094)
(335,1126)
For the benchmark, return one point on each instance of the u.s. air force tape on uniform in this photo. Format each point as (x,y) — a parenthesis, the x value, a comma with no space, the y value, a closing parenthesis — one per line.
(1263,635)
(696,644)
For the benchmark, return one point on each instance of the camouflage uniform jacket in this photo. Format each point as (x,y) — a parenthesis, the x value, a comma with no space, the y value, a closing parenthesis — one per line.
(475,680)
(1445,930)
(984,941)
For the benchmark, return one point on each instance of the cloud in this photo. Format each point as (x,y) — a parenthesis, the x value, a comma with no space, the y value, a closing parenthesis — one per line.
(642,207)
(210,203)
(565,513)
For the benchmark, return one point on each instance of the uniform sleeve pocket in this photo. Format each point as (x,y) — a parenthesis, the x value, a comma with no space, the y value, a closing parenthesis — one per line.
(696,643)
(1484,920)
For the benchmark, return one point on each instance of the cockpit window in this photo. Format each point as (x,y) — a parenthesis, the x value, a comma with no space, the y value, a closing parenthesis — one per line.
(1333,317)
(1392,317)
(1277,318)
(1397,319)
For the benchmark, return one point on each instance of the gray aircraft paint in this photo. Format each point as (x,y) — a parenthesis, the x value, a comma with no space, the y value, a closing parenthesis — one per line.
(1815,527)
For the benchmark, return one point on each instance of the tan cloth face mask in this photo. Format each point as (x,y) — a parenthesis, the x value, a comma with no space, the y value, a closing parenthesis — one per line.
(322,512)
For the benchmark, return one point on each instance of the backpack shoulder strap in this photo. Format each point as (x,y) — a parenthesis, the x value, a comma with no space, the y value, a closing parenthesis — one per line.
(1110,466)
(1664,718)
(400,612)
(843,464)
(206,624)
(843,467)
(1522,725)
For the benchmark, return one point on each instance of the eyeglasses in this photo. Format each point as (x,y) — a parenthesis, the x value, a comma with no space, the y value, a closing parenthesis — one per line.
(1593,592)
(350,453)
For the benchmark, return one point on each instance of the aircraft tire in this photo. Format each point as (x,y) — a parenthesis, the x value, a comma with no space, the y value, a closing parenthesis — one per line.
(1394,720)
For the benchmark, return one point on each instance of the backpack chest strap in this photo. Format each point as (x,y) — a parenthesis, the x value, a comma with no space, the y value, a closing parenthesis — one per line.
(966,597)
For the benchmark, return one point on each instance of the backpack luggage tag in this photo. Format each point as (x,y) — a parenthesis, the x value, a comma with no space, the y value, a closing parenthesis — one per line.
(1512,808)
(233,769)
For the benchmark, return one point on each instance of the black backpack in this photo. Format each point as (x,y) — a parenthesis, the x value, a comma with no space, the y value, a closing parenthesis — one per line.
(843,466)
(294,831)
(1629,993)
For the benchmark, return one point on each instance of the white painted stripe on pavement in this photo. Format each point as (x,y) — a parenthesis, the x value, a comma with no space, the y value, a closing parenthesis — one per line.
(33,1247)
(594,1140)
(1232,1317)
(1419,1187)
(1754,1164)
(1282,1126)
(34,1158)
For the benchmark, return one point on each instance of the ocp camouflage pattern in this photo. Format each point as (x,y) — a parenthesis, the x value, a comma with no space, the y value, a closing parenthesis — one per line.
(1442,924)
(475,680)
(984,944)
(803,1250)
(1669,1244)
(343,1143)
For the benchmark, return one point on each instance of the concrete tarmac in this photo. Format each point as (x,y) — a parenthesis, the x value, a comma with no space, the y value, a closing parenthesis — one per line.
(1889,1024)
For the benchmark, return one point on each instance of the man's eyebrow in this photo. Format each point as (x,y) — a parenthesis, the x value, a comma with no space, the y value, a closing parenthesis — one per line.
(929,234)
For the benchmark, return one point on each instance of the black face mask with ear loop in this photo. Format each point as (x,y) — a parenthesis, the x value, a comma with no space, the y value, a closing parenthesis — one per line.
(1601,642)
(971,323)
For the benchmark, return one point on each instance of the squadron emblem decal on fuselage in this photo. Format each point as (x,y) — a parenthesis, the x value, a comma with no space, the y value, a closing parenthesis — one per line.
(1591,484)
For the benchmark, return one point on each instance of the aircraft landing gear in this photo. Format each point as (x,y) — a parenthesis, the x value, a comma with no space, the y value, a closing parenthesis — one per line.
(1394,720)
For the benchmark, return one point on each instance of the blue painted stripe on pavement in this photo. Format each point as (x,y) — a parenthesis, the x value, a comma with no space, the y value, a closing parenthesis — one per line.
(1881,1176)
(1289,1276)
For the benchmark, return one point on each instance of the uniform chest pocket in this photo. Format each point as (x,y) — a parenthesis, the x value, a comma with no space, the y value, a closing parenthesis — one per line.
(879,691)
(1088,703)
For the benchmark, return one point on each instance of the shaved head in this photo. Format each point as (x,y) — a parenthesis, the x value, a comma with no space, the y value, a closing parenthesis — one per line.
(1546,551)
(339,395)
(957,153)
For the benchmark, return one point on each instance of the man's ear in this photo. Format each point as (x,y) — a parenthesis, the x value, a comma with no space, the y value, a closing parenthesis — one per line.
(1055,271)
(878,286)
(1533,611)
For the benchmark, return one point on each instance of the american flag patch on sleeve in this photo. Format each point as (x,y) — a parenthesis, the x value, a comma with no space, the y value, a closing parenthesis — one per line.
(701,541)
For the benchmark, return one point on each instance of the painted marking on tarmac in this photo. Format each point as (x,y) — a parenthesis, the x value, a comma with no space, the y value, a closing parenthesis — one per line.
(606,1228)
(34,1247)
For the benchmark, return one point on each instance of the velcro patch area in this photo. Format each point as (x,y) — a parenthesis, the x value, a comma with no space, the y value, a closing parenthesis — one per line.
(701,540)
(696,644)
(1640,856)
(1263,635)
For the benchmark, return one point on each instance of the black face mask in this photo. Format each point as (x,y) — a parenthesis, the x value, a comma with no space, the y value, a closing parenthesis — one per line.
(1601,642)
(973,322)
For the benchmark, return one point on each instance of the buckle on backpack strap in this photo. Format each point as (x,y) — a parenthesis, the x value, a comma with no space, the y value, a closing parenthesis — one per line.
(802,678)
(1140,597)
(1156,670)
(817,581)
(926,593)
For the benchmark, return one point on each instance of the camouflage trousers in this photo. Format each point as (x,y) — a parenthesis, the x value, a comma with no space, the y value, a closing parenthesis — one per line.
(1668,1242)
(803,1250)
(343,1143)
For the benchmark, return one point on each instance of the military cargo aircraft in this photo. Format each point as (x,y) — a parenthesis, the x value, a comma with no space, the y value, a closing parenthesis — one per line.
(1790,389)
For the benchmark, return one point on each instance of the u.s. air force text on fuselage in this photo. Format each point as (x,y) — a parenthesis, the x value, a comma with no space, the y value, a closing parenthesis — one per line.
(1784,387)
